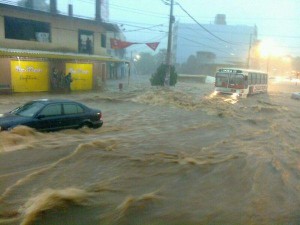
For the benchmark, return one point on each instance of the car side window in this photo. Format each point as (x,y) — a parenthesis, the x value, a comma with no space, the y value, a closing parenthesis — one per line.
(72,109)
(51,110)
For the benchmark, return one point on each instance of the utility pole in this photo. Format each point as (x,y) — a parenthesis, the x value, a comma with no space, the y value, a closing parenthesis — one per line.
(53,6)
(169,49)
(29,4)
(98,10)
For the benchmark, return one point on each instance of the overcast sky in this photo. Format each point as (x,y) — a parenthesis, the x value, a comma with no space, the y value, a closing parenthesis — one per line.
(276,20)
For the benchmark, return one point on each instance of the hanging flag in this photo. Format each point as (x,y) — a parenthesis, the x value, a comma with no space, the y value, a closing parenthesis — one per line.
(118,44)
(153,45)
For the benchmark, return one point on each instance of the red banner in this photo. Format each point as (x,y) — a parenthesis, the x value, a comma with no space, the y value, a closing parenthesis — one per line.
(118,44)
(153,45)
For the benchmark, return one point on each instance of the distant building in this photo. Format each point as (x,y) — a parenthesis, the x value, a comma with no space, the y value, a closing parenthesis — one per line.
(35,43)
(228,43)
(220,19)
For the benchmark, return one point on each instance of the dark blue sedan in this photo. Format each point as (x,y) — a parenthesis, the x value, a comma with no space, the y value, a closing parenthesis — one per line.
(52,115)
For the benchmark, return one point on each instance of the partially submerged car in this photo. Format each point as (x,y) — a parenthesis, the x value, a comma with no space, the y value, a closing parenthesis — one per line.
(52,115)
(296,95)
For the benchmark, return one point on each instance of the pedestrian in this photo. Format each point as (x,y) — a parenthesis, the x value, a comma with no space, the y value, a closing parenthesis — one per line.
(89,45)
(54,79)
(111,70)
(68,81)
(81,45)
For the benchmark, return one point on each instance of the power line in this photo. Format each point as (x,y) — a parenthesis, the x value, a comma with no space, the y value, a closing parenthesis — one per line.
(222,32)
(201,25)
(246,45)
(149,30)
(139,28)
(192,41)
(138,11)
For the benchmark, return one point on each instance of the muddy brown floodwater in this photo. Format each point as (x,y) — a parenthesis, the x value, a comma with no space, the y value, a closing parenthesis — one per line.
(172,156)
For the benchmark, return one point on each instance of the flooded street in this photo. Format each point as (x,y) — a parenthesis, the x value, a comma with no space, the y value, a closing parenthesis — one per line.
(163,157)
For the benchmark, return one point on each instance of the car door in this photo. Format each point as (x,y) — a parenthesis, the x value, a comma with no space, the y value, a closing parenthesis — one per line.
(73,115)
(50,118)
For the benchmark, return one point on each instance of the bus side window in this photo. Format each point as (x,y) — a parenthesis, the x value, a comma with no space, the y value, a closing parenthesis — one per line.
(265,77)
(246,80)
(250,78)
(253,78)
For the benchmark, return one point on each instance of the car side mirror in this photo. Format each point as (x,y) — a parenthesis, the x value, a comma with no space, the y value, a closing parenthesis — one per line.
(41,116)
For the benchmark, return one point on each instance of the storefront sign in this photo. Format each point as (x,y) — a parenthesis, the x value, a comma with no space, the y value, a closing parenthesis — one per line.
(82,76)
(29,76)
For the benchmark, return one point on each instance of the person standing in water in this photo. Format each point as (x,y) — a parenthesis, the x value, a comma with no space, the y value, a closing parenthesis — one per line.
(68,81)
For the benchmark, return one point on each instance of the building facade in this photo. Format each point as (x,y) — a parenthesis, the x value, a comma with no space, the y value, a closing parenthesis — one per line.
(36,45)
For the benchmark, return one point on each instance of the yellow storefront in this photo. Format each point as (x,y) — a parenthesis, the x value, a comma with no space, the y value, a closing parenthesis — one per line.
(32,71)
(82,75)
(29,76)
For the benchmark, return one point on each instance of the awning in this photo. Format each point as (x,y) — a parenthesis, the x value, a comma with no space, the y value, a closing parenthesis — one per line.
(5,52)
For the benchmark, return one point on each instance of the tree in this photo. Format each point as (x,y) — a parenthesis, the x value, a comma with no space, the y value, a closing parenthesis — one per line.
(190,67)
(160,57)
(146,63)
(158,78)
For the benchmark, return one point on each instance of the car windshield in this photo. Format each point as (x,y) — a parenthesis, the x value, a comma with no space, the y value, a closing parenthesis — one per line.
(28,110)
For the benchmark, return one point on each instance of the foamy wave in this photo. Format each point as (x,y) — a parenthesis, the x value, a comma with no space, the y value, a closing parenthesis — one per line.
(209,125)
(184,159)
(52,199)
(134,203)
(24,131)
(269,109)
(106,145)
(168,98)
(219,106)
(20,137)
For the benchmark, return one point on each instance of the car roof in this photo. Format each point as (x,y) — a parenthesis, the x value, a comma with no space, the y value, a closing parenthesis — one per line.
(47,101)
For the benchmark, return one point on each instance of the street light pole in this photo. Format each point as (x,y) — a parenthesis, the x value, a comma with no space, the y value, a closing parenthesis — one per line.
(268,63)
(249,52)
(169,49)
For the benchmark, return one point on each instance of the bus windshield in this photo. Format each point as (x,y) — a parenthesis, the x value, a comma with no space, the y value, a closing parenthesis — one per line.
(229,79)
(222,79)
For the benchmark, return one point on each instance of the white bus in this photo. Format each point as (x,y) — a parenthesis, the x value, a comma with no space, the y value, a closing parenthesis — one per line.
(241,82)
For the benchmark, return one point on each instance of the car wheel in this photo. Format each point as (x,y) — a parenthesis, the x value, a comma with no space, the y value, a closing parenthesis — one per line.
(97,126)
(86,125)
